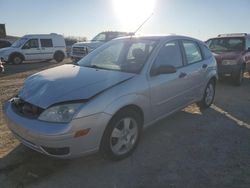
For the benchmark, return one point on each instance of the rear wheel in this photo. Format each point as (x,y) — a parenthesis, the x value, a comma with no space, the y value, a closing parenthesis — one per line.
(59,57)
(208,96)
(122,135)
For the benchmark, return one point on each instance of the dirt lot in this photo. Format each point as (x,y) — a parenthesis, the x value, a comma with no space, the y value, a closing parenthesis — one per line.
(191,148)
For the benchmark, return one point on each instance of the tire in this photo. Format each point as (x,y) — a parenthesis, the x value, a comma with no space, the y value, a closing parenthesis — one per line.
(238,78)
(59,57)
(122,135)
(16,59)
(208,96)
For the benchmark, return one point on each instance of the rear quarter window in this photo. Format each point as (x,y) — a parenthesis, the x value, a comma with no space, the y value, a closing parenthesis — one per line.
(205,51)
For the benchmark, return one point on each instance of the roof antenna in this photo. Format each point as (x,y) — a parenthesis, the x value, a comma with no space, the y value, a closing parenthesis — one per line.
(143,23)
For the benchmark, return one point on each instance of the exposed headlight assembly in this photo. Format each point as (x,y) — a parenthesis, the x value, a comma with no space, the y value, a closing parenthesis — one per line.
(60,113)
(229,62)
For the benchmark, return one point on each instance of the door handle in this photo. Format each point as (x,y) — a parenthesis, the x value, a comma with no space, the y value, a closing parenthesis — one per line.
(204,66)
(182,75)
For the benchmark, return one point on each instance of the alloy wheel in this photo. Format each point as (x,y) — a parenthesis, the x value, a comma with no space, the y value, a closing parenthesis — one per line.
(209,94)
(17,60)
(124,136)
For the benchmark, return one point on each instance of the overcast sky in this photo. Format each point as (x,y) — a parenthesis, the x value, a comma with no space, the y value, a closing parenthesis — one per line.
(198,18)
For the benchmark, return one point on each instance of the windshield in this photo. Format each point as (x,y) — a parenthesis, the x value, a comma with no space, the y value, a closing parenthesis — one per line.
(226,44)
(100,37)
(127,55)
(18,43)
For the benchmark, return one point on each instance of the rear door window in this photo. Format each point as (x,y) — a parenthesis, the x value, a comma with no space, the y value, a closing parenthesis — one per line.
(192,51)
(46,43)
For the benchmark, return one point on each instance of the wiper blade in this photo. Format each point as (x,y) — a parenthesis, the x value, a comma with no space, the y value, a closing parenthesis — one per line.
(94,67)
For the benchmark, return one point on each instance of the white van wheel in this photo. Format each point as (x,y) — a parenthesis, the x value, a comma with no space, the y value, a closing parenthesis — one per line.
(59,57)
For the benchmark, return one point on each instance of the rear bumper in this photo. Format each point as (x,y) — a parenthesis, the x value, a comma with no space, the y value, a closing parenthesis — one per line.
(57,140)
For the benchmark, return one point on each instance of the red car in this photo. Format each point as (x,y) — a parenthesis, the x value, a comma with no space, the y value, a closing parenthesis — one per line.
(232,52)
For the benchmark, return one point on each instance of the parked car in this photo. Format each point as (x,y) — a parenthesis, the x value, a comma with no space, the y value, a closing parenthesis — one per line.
(4,43)
(107,99)
(80,49)
(35,47)
(232,52)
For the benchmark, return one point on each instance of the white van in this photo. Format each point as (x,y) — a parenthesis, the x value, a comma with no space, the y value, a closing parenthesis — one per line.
(35,47)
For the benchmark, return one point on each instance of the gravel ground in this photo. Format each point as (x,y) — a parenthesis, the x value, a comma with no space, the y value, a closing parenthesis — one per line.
(191,148)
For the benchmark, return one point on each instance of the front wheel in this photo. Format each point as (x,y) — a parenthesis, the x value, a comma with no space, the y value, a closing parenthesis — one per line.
(122,135)
(208,96)
(16,59)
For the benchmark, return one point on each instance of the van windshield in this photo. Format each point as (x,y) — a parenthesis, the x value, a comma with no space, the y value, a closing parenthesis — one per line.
(100,37)
(18,43)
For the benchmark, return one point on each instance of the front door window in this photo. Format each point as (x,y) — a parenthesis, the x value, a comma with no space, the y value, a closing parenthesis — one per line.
(32,43)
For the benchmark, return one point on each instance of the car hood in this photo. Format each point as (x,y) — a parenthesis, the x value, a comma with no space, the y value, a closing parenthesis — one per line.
(227,56)
(91,44)
(7,49)
(69,83)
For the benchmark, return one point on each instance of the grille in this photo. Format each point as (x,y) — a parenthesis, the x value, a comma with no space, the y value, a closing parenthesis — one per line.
(25,109)
(80,50)
(56,151)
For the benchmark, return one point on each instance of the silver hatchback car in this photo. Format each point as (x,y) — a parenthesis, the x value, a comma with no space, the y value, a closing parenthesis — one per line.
(105,101)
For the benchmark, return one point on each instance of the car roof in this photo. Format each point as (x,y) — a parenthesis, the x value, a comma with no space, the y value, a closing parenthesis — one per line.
(42,35)
(234,35)
(159,37)
(231,35)
(114,32)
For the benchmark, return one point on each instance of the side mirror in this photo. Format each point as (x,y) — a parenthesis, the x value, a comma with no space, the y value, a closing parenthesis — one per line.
(163,69)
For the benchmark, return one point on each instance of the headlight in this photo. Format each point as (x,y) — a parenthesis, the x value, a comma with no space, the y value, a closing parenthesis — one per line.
(60,114)
(229,62)
(4,55)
